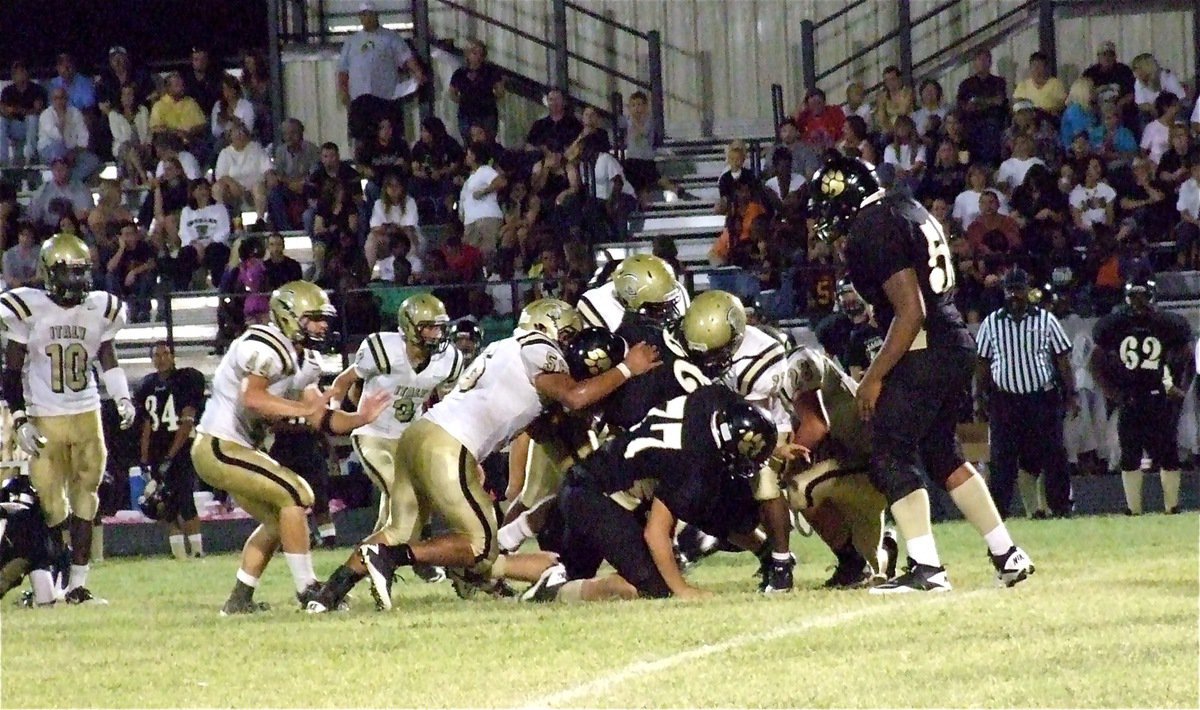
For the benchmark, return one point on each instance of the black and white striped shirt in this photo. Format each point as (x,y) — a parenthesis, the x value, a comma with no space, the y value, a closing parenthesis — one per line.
(1021,352)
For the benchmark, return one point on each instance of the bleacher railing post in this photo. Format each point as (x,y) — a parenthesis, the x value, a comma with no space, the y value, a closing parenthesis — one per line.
(1196,37)
(420,13)
(166,308)
(1047,40)
(778,111)
(558,18)
(808,54)
(616,104)
(275,60)
(904,25)
(657,99)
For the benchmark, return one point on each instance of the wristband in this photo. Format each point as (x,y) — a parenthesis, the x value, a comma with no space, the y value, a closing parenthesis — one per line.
(624,370)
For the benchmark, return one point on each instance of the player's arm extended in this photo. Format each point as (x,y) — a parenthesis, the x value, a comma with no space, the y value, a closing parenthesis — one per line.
(336,422)
(187,422)
(659,536)
(903,291)
(342,384)
(577,394)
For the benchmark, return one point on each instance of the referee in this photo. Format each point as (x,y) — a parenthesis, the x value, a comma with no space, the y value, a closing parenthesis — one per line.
(1025,381)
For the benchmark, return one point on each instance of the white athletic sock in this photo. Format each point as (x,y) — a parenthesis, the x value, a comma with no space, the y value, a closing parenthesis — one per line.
(781,556)
(247,579)
(923,550)
(513,535)
(302,569)
(998,540)
(43,586)
(1170,486)
(197,544)
(177,548)
(1132,481)
(327,530)
(78,578)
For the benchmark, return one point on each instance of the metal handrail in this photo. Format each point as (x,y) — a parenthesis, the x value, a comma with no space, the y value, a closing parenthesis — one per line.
(609,70)
(839,13)
(497,23)
(887,37)
(919,19)
(607,20)
(970,37)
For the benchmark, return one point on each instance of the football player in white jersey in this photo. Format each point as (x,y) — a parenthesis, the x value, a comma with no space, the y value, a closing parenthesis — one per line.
(409,366)
(605,306)
(499,395)
(751,363)
(53,335)
(265,364)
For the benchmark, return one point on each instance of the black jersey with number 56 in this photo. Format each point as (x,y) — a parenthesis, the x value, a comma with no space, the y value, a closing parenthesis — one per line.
(161,400)
(894,233)
(1143,343)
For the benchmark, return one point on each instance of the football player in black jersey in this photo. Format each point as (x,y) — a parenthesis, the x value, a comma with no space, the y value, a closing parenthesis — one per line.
(1142,361)
(899,261)
(170,400)
(25,548)
(690,459)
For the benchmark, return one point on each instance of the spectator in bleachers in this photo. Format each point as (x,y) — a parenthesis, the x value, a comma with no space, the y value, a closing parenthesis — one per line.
(954,131)
(332,169)
(1028,121)
(344,261)
(369,73)
(280,267)
(464,261)
(476,87)
(944,178)
(1081,113)
(394,212)
(205,236)
(256,85)
(990,222)
(1041,88)
(1156,137)
(1196,117)
(382,154)
(129,124)
(966,203)
(399,266)
(855,141)
(932,107)
(110,210)
(202,81)
(784,181)
(1187,233)
(335,215)
(1093,201)
(736,170)
(1039,207)
(1012,171)
(294,160)
(436,159)
(11,214)
(857,105)
(169,146)
(593,136)
(251,278)
(1080,151)
(1113,81)
(229,107)
(1173,166)
(60,194)
(479,201)
(168,196)
(895,99)
(80,90)
(21,105)
(520,209)
(615,198)
(179,115)
(1146,203)
(666,249)
(120,73)
(805,158)
(733,244)
(983,101)
(641,170)
(63,133)
(21,259)
(1150,82)
(558,127)
(132,271)
(241,172)
(905,153)
(819,124)
(556,182)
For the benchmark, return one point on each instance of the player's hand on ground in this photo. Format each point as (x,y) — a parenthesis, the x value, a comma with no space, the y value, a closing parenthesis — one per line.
(127,412)
(693,594)
(29,438)
(868,394)
(642,358)
(374,404)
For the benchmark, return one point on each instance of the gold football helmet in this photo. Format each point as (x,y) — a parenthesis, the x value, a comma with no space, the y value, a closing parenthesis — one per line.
(421,311)
(646,284)
(297,304)
(712,330)
(557,319)
(66,269)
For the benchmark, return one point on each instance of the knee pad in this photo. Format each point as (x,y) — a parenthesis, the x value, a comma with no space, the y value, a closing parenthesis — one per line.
(893,477)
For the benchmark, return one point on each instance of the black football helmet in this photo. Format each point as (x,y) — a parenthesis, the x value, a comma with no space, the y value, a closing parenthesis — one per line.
(839,189)
(466,328)
(17,496)
(745,438)
(1141,292)
(593,352)
(154,501)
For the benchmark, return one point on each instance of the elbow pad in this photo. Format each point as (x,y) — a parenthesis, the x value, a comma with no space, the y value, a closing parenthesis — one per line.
(13,391)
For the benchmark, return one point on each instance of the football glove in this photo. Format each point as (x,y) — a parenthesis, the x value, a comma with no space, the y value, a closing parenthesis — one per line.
(29,438)
(127,411)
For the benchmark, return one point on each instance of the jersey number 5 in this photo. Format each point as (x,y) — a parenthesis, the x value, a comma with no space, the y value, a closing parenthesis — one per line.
(1143,354)
(667,423)
(68,367)
(941,266)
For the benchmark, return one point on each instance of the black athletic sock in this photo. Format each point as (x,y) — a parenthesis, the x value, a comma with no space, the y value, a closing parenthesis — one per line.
(401,555)
(339,585)
(242,592)
(848,556)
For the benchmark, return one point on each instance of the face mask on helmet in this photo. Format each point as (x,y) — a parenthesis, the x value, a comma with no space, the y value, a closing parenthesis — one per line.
(664,313)
(1140,296)
(432,336)
(69,283)
(315,328)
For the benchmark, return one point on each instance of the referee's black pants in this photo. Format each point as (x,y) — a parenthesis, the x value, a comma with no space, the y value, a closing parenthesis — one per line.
(1027,430)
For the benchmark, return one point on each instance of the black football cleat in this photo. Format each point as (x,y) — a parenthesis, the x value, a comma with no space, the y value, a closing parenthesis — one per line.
(1012,567)
(916,578)
(82,595)
(547,586)
(239,607)
(777,575)
(430,574)
(848,575)
(381,572)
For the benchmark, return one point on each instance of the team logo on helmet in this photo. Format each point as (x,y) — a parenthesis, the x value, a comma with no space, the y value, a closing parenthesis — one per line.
(751,444)
(597,361)
(833,183)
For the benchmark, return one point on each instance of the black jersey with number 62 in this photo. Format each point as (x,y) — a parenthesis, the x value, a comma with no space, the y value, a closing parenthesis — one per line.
(1143,343)
(161,400)
(896,233)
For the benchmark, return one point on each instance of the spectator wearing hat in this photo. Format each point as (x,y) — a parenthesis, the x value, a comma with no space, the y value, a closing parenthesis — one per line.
(1040,88)
(1114,81)
(983,102)
(1027,121)
(476,87)
(120,73)
(1026,386)
(820,124)
(369,74)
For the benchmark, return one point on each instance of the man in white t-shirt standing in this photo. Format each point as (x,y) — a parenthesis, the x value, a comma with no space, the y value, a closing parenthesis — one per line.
(480,204)
(369,72)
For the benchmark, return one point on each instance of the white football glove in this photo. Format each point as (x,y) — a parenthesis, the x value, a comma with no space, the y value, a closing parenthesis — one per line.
(29,438)
(127,411)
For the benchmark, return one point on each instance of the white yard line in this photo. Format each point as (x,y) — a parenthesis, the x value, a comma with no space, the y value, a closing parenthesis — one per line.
(637,670)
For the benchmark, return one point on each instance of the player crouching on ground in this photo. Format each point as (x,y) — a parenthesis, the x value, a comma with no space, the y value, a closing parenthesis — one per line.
(265,362)
(25,547)
(499,395)
(53,336)
(690,459)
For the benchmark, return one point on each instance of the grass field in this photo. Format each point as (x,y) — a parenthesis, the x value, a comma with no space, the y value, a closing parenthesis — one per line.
(1109,620)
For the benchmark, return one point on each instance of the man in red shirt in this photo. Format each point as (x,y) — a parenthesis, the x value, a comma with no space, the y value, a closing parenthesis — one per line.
(819,124)
(990,220)
(464,261)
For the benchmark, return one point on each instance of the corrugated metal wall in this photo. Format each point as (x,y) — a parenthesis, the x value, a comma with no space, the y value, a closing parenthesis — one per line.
(721,56)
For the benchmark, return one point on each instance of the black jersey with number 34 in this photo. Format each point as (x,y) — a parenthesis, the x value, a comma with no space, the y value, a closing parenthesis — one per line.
(161,400)
(895,233)
(1142,343)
